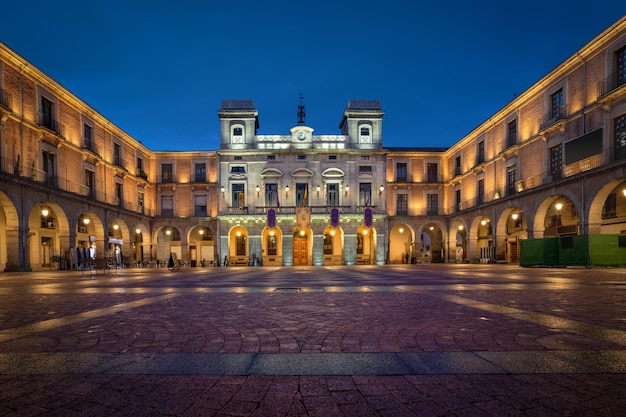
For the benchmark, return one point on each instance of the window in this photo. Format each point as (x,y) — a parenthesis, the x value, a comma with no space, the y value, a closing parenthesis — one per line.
(401,173)
(302,194)
(240,244)
(272,246)
(457,200)
(620,137)
(457,165)
(332,157)
(432,172)
(237,131)
(140,172)
(402,205)
(239,200)
(49,169)
(238,158)
(365,135)
(332,194)
(167,173)
(556,162)
(359,244)
(365,169)
(237,170)
(365,194)
(140,199)
(200,204)
(167,206)
(328,244)
(47,115)
(557,110)
(480,197)
(480,157)
(271,157)
(237,136)
(90,186)
(511,138)
(200,172)
(271,195)
(88,142)
(365,131)
(301,157)
(117,155)
(365,158)
(510,179)
(432,204)
(119,194)
(609,210)
(620,58)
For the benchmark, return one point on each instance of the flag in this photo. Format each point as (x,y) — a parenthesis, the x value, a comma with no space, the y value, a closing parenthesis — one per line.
(303,217)
(305,195)
(277,199)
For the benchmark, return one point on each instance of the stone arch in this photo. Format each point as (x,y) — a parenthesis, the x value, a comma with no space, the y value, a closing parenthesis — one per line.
(401,243)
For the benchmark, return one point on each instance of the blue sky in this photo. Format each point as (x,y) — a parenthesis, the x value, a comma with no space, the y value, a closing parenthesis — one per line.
(160,69)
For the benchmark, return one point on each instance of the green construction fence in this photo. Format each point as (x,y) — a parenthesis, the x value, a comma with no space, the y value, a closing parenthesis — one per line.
(578,250)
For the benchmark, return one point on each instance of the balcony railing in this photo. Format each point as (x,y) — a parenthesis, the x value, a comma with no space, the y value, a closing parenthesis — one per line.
(51,124)
(5,99)
(90,145)
(553,116)
(140,173)
(166,179)
(610,83)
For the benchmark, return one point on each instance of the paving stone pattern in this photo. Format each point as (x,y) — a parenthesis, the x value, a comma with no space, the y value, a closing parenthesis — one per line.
(404,340)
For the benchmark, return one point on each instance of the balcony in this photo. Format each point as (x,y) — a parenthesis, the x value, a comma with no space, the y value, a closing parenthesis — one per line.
(5,100)
(166,178)
(48,122)
(554,120)
(609,85)
(140,173)
(90,145)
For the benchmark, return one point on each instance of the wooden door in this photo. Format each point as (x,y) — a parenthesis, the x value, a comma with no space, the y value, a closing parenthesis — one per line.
(300,251)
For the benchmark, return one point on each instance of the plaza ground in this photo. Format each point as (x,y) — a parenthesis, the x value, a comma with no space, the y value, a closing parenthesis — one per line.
(398,340)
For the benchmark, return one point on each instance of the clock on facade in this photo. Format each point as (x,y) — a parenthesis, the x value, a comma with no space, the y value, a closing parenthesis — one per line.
(301,135)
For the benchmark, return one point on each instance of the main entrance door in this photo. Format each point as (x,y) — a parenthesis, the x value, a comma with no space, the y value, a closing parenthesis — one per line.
(300,251)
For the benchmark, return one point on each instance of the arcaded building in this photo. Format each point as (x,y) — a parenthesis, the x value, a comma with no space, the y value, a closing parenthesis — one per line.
(545,174)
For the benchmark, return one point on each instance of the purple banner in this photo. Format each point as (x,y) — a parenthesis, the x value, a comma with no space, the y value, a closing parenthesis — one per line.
(271,218)
(368,217)
(334,217)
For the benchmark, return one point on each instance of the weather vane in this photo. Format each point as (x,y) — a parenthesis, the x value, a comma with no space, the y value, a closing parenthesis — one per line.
(301,113)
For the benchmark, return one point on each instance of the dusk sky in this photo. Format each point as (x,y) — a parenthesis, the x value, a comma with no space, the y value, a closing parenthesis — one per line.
(160,69)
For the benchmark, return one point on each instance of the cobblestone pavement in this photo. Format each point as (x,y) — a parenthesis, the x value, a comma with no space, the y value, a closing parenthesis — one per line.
(402,340)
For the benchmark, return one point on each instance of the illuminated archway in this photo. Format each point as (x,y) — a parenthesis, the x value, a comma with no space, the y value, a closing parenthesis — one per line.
(432,244)
(365,245)
(302,247)
(272,246)
(481,244)
(201,246)
(333,245)
(511,229)
(401,244)
(238,246)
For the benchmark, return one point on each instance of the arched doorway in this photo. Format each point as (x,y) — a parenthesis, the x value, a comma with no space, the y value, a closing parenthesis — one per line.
(201,246)
(301,247)
(47,223)
(561,218)
(458,235)
(333,245)
(272,246)
(484,249)
(432,249)
(513,227)
(9,245)
(401,245)
(238,246)
(365,245)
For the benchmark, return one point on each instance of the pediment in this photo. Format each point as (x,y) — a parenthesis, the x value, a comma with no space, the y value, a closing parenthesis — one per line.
(271,173)
(333,173)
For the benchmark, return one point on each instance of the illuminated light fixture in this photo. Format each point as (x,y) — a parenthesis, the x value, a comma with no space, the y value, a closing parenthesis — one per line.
(496,195)
(138,231)
(514,216)
(272,233)
(332,233)
(45,212)
(301,232)
(319,188)
(624,191)
(222,189)
(258,188)
(558,206)
(401,230)
(461,227)
(364,232)
(116,226)
(238,234)
(347,189)
(381,189)
(287,188)
(167,232)
(432,227)
(483,222)
(201,232)
(86,221)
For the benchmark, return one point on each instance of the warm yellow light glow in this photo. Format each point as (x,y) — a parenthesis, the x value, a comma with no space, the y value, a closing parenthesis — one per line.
(382,188)
(45,212)
(222,189)
(301,232)
(201,231)
(559,206)
(167,232)
(624,191)
(138,230)
(86,220)
(364,232)
(514,216)
(401,230)
(461,227)
(332,233)
(432,227)
(238,234)
(483,222)
(258,188)
(319,188)
(286,188)
(116,226)
(272,233)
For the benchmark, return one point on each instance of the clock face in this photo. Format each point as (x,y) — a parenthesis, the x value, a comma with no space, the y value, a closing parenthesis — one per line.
(301,135)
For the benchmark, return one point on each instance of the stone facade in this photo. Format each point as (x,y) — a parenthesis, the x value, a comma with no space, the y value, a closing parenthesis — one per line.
(73,186)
